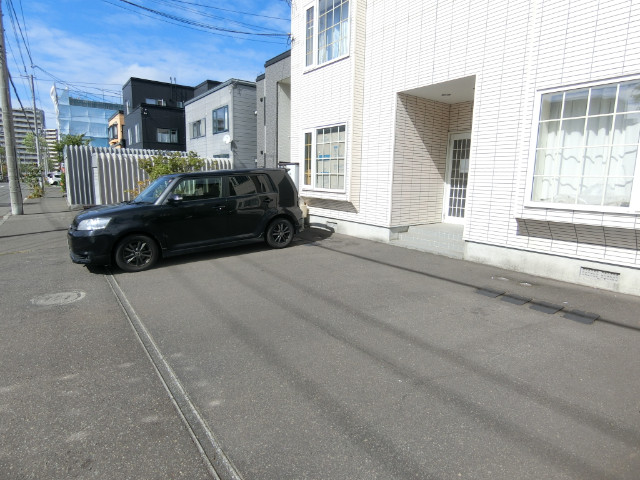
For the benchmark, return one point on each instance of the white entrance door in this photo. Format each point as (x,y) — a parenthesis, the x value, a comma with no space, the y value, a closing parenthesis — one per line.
(455,192)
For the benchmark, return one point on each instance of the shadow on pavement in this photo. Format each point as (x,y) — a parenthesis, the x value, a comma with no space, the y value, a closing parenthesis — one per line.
(311,236)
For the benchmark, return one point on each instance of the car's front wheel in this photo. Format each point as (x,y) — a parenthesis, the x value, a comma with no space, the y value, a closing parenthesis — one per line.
(279,233)
(136,253)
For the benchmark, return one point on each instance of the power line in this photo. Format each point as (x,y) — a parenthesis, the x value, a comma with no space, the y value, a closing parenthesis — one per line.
(227,10)
(16,27)
(217,17)
(22,106)
(137,12)
(77,89)
(26,35)
(200,24)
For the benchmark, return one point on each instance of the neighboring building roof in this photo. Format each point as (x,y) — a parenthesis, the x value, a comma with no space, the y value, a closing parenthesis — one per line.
(273,61)
(119,112)
(278,58)
(145,80)
(231,81)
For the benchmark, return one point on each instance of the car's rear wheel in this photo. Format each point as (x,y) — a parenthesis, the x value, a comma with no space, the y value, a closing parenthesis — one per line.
(136,253)
(279,233)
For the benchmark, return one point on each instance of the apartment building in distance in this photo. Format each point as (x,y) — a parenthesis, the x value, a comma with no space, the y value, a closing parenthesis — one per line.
(24,122)
(80,116)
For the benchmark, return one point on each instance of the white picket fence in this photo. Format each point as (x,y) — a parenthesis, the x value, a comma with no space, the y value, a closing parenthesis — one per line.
(100,176)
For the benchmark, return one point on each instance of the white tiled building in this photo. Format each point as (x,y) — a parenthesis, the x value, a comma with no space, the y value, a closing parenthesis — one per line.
(517,121)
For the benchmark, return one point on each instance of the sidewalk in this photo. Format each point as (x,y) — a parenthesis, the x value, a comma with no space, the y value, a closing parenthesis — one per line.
(79,397)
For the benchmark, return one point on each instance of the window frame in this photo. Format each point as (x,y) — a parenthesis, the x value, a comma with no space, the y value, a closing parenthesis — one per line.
(310,31)
(634,199)
(160,102)
(112,131)
(173,135)
(214,122)
(313,150)
(202,129)
(315,24)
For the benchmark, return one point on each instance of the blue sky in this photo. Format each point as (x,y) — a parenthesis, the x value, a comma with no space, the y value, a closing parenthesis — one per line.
(96,45)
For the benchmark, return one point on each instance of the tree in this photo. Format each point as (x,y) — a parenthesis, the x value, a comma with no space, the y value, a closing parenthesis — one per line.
(32,175)
(163,164)
(29,142)
(174,162)
(70,139)
(3,166)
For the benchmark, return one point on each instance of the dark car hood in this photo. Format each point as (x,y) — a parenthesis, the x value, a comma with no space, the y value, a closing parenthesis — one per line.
(112,210)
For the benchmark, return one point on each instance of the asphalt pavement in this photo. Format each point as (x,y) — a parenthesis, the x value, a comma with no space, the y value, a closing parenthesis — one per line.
(147,376)
(79,397)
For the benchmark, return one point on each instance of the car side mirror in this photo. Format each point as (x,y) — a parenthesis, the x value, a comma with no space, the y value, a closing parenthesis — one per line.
(174,199)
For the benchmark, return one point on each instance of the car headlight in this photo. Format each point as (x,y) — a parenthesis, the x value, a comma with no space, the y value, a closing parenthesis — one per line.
(93,224)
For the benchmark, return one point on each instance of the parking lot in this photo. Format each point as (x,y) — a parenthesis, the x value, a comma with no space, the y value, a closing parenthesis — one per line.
(334,358)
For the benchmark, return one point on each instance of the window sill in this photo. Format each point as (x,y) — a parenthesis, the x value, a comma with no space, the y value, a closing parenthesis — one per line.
(314,67)
(580,208)
(323,193)
(615,217)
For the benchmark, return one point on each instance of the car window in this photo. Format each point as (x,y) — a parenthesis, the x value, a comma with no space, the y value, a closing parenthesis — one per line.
(153,191)
(199,188)
(248,185)
(241,185)
(262,183)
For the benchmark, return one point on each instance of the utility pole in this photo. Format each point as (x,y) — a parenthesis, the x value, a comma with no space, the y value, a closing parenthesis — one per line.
(41,163)
(7,126)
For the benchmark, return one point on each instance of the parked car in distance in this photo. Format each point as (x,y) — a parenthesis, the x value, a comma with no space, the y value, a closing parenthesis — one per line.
(189,212)
(54,178)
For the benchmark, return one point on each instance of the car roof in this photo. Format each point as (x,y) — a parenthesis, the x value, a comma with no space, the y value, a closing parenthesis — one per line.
(225,172)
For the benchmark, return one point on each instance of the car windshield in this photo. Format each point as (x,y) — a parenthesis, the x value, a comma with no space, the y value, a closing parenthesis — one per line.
(154,190)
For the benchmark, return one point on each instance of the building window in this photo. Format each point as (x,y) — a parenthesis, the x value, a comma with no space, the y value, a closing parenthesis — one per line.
(220,119)
(166,135)
(308,152)
(325,158)
(333,29)
(197,128)
(127,105)
(156,101)
(136,128)
(113,132)
(309,37)
(587,146)
(129,137)
(331,38)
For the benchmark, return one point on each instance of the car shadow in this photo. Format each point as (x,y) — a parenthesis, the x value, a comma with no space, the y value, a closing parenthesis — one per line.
(310,236)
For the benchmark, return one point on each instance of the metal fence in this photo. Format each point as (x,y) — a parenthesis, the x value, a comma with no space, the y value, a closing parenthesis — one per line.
(100,176)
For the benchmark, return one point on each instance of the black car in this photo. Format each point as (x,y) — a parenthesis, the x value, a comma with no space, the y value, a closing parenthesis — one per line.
(189,212)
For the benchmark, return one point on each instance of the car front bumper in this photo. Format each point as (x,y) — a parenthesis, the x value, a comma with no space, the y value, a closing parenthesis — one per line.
(87,248)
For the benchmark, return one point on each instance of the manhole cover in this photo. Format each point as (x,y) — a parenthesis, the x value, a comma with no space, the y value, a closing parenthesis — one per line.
(62,298)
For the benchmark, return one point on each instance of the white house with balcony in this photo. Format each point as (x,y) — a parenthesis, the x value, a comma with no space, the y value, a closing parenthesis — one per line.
(221,122)
(503,132)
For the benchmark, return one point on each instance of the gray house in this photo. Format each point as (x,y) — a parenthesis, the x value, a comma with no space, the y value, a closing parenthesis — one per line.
(221,122)
(273,107)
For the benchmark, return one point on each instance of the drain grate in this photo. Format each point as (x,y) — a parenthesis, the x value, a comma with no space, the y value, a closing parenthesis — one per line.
(595,274)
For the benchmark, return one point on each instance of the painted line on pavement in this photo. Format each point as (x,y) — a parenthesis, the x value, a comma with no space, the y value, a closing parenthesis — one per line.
(218,464)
